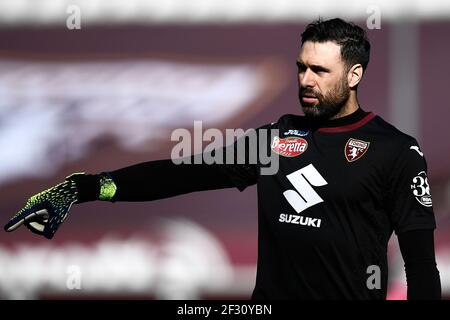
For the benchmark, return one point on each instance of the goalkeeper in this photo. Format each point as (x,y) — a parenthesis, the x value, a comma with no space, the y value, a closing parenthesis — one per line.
(347,180)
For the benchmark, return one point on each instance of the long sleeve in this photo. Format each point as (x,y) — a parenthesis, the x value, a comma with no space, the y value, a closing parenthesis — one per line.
(417,248)
(236,165)
(163,179)
(158,179)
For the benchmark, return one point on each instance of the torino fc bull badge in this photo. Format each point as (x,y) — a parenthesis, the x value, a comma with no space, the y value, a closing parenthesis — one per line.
(355,149)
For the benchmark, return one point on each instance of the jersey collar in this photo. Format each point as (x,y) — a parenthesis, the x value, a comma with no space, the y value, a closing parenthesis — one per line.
(350,122)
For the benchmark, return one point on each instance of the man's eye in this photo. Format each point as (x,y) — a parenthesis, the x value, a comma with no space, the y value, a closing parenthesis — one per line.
(319,70)
(301,67)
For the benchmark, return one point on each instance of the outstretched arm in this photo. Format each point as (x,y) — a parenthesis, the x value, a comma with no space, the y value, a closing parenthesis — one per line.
(44,212)
(151,180)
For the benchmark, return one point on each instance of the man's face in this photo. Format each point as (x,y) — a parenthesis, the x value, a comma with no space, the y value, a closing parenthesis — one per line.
(322,77)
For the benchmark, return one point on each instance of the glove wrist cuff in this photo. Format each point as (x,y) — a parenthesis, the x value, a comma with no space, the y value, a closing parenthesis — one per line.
(107,187)
(88,186)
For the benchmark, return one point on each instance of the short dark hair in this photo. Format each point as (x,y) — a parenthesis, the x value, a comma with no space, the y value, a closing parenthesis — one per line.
(355,46)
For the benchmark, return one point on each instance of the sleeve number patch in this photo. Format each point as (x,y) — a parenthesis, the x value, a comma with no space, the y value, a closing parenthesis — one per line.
(421,189)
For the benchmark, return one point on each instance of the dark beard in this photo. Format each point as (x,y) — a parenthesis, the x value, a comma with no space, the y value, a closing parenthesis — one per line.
(328,105)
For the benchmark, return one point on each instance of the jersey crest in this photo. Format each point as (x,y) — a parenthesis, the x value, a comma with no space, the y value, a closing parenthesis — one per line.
(355,149)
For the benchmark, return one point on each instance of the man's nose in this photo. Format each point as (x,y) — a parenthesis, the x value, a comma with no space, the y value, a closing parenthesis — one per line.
(307,78)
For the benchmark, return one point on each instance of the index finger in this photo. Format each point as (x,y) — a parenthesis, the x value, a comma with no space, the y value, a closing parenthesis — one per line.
(23,216)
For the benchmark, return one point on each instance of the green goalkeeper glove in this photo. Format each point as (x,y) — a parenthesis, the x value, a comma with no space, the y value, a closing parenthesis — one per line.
(44,212)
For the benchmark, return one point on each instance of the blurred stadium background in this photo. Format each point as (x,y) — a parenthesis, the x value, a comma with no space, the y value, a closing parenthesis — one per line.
(109,94)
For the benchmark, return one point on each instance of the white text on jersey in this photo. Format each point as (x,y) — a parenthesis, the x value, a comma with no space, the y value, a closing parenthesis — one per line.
(304,221)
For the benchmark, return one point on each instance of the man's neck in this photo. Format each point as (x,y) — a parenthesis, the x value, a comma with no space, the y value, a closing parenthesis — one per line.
(350,106)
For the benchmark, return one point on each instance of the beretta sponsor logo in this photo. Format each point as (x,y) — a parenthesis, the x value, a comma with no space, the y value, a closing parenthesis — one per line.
(290,146)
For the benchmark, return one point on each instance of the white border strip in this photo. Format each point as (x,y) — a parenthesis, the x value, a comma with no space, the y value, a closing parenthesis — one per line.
(16,12)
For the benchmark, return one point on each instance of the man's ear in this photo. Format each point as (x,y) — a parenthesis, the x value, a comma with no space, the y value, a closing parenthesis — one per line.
(354,75)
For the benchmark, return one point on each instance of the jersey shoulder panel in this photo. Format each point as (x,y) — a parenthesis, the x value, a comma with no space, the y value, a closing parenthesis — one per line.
(398,149)
(408,195)
(391,133)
